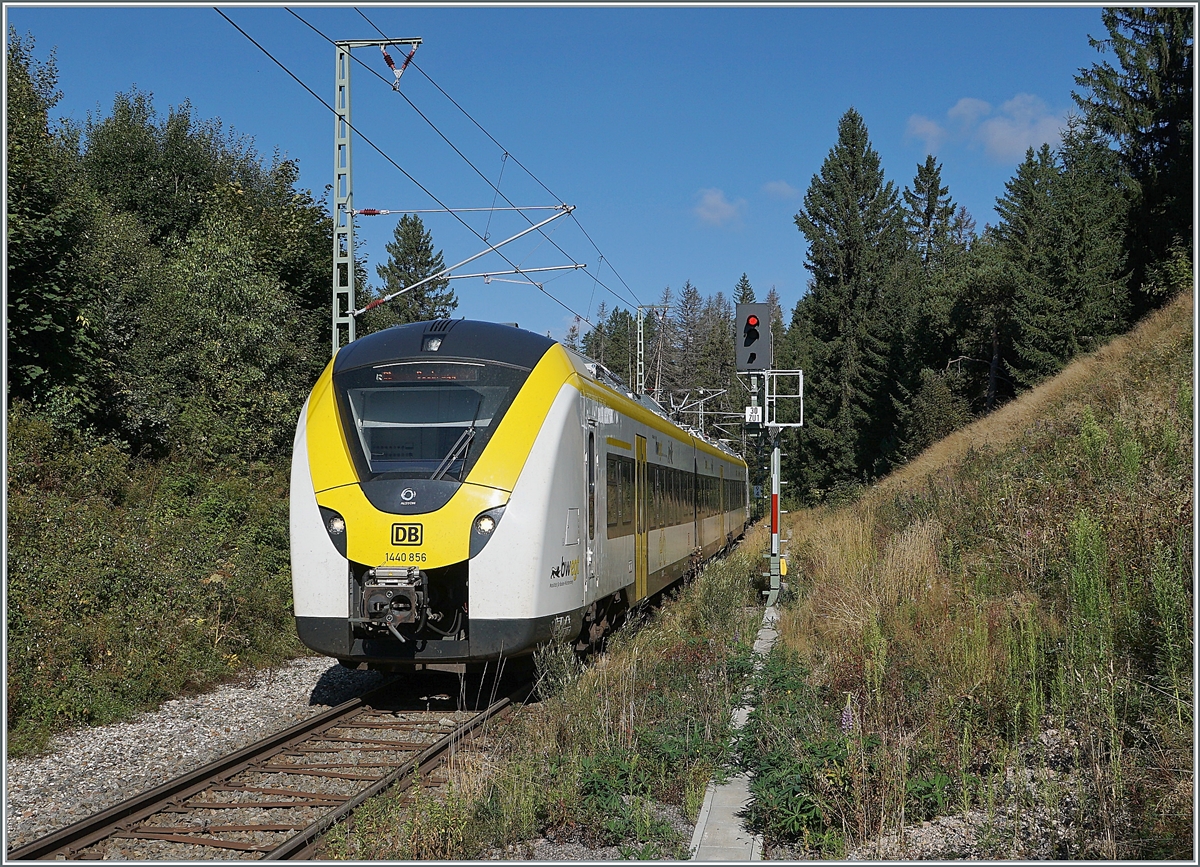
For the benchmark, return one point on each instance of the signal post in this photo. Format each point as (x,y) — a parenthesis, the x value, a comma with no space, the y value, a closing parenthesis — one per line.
(755,357)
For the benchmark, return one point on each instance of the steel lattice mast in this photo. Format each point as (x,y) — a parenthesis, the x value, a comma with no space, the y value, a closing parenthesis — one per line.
(343,186)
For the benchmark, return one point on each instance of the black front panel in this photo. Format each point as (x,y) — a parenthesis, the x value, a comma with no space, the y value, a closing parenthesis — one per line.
(459,338)
(490,639)
(409,496)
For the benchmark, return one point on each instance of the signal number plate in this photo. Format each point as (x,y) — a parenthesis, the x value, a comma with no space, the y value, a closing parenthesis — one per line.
(407,534)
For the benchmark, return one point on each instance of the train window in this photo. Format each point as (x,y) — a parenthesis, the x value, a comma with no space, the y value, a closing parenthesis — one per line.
(591,484)
(613,491)
(662,497)
(627,491)
(423,420)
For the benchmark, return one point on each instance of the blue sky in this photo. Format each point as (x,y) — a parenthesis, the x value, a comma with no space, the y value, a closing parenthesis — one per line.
(685,137)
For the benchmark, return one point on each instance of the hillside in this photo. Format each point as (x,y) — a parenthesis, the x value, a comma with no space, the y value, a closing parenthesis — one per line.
(1000,634)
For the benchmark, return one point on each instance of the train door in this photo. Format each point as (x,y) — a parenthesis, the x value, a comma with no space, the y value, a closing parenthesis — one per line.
(641,565)
(722,504)
(591,509)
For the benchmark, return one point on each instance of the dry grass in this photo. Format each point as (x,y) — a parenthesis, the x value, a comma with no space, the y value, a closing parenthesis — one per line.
(1096,376)
(1024,583)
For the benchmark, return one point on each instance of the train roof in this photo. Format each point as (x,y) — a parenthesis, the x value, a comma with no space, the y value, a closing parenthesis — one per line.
(459,338)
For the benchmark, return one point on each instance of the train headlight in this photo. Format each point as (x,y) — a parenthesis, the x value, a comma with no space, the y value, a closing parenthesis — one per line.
(335,527)
(483,527)
(431,344)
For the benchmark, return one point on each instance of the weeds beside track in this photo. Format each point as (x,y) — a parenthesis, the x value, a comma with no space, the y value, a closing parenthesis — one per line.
(608,746)
(1002,634)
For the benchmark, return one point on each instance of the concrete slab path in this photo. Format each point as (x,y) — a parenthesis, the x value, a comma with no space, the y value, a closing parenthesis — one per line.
(720,834)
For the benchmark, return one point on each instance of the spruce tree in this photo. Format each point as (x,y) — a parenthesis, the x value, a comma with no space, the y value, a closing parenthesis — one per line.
(1026,237)
(929,214)
(689,309)
(1145,105)
(743,292)
(411,258)
(595,342)
(854,227)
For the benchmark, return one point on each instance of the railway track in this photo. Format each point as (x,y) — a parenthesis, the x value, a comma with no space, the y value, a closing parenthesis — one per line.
(273,799)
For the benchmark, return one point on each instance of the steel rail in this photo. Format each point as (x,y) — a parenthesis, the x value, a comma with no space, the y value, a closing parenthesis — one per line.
(303,845)
(119,819)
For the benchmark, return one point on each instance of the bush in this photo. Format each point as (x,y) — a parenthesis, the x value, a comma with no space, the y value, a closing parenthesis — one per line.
(131,581)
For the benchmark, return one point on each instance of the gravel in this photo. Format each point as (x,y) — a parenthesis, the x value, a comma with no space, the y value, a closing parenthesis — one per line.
(86,770)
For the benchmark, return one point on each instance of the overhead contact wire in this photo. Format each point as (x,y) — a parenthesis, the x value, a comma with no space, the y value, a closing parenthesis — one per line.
(396,165)
(463,156)
(506,153)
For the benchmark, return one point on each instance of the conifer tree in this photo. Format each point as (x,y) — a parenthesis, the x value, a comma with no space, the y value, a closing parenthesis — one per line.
(688,312)
(743,292)
(1145,104)
(854,227)
(595,342)
(929,214)
(411,258)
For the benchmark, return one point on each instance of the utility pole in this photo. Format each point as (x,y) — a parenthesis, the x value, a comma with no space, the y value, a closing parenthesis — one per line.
(343,185)
(641,353)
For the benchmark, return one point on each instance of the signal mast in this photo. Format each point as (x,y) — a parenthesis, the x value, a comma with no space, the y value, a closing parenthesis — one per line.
(754,355)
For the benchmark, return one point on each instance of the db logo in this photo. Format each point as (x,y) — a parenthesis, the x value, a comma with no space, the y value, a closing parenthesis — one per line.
(406,534)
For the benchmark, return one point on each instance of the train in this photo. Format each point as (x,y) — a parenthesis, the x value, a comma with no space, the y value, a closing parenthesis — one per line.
(466,491)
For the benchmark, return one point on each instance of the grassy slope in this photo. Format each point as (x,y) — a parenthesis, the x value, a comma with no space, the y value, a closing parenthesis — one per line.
(1020,595)
(130,582)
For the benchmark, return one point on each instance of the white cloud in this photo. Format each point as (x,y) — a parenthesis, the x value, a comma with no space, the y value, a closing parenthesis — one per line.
(930,132)
(1005,133)
(967,111)
(1023,122)
(780,190)
(716,210)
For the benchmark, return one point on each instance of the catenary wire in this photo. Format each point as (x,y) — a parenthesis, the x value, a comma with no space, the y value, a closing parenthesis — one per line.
(400,168)
(444,138)
(515,160)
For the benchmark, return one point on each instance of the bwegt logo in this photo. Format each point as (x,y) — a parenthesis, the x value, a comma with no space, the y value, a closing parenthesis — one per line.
(406,534)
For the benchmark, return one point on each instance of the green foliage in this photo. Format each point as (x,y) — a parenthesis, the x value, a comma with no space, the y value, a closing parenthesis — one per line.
(1145,105)
(164,171)
(938,408)
(221,355)
(53,355)
(132,581)
(929,215)
(411,258)
(856,304)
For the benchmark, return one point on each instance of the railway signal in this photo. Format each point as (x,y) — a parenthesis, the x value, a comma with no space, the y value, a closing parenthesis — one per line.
(753,337)
(754,357)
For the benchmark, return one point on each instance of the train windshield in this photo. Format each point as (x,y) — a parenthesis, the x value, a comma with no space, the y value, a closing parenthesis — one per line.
(424,420)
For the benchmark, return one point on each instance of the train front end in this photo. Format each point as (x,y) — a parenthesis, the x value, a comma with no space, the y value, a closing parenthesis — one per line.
(405,461)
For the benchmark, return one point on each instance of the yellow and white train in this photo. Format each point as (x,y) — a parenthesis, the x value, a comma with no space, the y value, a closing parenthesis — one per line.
(462,491)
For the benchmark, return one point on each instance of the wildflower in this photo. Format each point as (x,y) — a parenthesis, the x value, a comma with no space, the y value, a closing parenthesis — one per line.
(847,716)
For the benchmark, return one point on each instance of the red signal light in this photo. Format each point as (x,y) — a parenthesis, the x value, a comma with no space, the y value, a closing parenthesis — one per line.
(752,321)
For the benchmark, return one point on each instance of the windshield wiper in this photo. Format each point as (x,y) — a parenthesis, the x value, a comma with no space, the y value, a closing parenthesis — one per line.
(463,443)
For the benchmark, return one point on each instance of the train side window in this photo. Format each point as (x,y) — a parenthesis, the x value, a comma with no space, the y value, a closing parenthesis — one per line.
(659,521)
(613,491)
(591,484)
(626,492)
